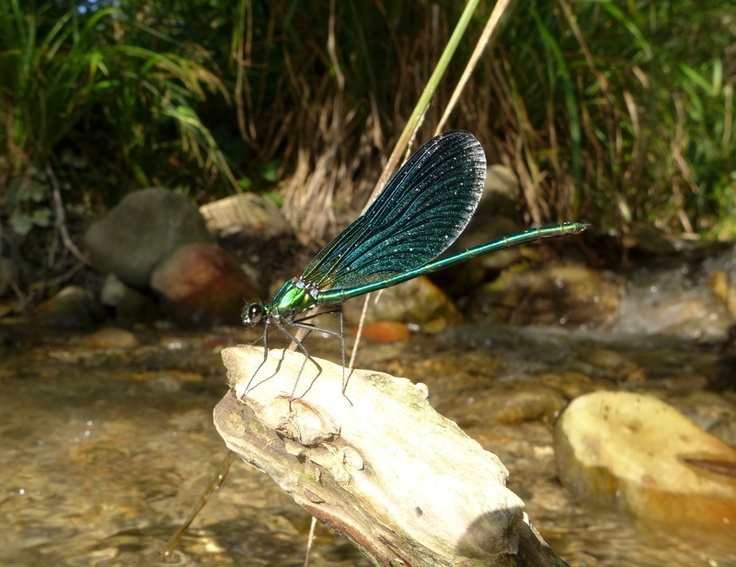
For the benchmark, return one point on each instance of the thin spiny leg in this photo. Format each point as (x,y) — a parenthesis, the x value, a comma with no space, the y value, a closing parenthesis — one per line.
(309,328)
(340,335)
(265,356)
(301,323)
(303,350)
(342,348)
(342,354)
(250,386)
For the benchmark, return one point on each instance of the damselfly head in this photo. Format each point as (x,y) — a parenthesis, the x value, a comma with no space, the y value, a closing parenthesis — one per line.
(252,314)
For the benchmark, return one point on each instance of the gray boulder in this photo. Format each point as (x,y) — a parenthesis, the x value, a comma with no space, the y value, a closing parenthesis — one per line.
(144,228)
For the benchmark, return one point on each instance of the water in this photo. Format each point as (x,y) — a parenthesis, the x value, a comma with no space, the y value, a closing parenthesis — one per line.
(104,451)
(106,445)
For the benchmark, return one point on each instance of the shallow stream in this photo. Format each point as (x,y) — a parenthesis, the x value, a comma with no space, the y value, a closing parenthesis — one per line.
(107,441)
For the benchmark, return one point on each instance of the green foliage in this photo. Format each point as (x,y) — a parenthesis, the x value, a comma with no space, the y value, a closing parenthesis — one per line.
(26,198)
(616,113)
(103,85)
(608,111)
(629,105)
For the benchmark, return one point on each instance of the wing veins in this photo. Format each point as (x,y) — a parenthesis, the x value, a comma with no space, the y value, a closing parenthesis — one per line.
(392,236)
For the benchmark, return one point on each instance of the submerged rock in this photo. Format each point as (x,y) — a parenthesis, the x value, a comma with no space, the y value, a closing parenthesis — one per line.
(110,338)
(417,301)
(73,308)
(509,405)
(557,295)
(641,451)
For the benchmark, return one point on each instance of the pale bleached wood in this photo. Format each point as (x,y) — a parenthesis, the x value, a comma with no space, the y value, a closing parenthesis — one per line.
(377,464)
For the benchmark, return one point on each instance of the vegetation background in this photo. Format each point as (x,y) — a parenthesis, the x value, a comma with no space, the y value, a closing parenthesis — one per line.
(609,112)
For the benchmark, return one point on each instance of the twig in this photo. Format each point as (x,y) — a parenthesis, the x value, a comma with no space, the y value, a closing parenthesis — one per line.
(61,217)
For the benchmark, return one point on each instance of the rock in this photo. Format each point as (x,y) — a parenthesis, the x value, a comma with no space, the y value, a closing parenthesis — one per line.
(636,448)
(231,214)
(110,338)
(385,332)
(131,305)
(508,405)
(570,384)
(145,227)
(417,301)
(73,308)
(202,284)
(612,365)
(558,295)
(253,230)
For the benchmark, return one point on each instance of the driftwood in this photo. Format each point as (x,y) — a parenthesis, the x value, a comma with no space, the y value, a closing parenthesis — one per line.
(377,464)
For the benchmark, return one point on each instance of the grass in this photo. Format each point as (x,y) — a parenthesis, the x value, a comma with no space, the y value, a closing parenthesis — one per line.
(610,113)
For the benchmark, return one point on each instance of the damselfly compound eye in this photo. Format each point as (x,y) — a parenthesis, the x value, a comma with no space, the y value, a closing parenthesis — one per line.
(252,314)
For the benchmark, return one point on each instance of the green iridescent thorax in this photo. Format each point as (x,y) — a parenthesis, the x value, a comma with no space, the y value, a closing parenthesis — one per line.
(293,298)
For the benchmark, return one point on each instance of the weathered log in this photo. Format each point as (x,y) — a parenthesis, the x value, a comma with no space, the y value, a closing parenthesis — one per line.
(377,464)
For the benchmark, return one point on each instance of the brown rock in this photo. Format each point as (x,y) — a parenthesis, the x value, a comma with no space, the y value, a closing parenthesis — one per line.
(110,338)
(202,284)
(504,405)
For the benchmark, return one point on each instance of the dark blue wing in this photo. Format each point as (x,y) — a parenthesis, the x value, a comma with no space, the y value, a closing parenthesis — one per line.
(421,212)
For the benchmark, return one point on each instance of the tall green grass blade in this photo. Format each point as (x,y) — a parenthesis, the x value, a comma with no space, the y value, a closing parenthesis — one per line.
(613,9)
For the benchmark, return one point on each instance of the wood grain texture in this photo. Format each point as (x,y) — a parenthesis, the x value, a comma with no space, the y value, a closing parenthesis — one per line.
(378,464)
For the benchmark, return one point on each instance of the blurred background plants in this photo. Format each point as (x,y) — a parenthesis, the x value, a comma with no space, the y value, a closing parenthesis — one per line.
(608,112)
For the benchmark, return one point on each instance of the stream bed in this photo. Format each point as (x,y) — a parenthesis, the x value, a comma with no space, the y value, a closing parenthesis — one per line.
(107,441)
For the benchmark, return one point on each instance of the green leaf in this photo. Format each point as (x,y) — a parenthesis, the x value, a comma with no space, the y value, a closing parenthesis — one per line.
(41,217)
(697,78)
(270,170)
(20,222)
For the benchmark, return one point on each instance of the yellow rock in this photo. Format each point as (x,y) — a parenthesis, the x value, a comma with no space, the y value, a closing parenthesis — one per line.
(641,451)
